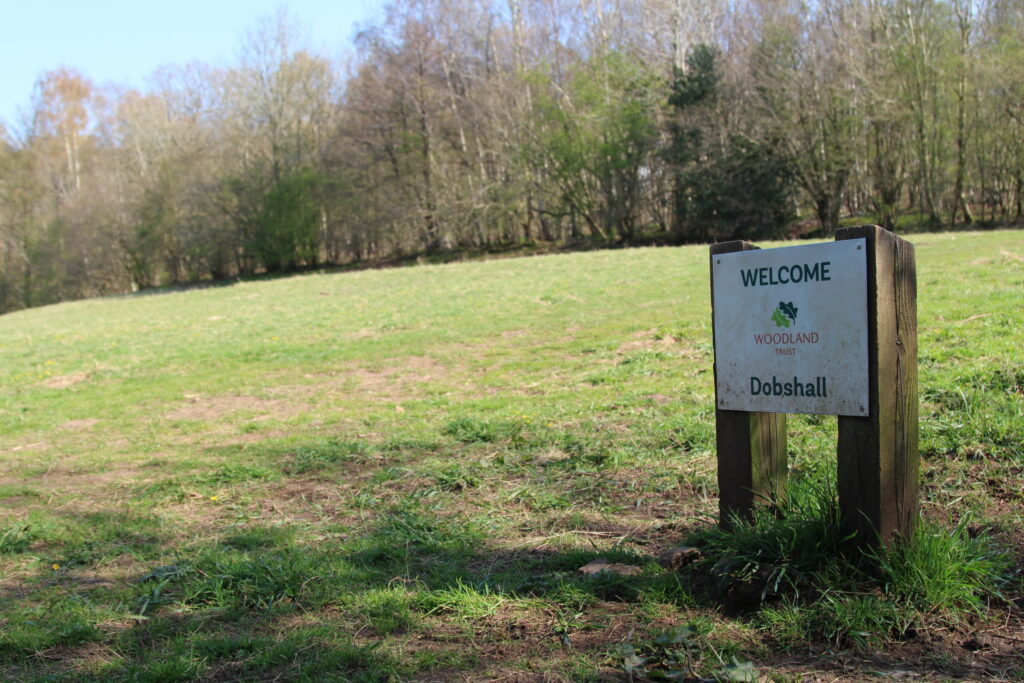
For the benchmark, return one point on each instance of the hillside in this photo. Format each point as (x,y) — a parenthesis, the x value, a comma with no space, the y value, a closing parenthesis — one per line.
(396,474)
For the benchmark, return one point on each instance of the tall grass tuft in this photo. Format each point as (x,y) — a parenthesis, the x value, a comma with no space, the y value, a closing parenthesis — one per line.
(779,551)
(809,584)
(943,570)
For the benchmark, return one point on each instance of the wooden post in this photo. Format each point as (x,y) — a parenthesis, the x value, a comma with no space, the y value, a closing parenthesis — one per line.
(752,463)
(878,454)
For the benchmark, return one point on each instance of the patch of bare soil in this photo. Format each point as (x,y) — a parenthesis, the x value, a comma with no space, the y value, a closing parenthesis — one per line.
(968,653)
(652,340)
(80,425)
(60,480)
(395,383)
(65,381)
(85,581)
(9,502)
(216,407)
(15,585)
(398,382)
(307,493)
(309,501)
(1011,256)
(80,659)
(517,644)
(647,345)
(36,445)
(978,479)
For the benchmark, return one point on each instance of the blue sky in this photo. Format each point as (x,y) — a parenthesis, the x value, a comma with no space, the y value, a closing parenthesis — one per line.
(123,41)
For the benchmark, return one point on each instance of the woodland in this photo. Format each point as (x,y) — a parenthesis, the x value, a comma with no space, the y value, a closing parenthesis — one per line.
(472,126)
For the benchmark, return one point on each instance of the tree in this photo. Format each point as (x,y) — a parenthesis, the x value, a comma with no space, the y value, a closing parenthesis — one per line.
(61,116)
(692,99)
(596,140)
(810,96)
(280,106)
(286,233)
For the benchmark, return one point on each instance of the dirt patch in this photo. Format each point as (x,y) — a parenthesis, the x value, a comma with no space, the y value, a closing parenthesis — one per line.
(216,407)
(61,480)
(647,345)
(1011,256)
(80,659)
(17,501)
(36,445)
(653,340)
(547,641)
(80,425)
(970,654)
(519,645)
(395,383)
(308,493)
(309,501)
(86,581)
(987,484)
(65,381)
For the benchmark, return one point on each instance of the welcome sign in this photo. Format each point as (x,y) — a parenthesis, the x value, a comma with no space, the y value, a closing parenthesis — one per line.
(791,329)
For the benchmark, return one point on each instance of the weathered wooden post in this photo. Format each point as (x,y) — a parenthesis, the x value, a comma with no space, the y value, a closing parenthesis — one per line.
(878,453)
(751,446)
(827,329)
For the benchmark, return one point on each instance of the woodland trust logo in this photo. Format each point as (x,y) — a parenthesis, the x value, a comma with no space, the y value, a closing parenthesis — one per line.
(785,314)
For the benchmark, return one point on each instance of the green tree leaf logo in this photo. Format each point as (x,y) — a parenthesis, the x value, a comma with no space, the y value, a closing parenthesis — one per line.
(785,314)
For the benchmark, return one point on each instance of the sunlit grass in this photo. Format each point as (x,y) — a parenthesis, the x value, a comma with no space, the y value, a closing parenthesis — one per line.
(389,472)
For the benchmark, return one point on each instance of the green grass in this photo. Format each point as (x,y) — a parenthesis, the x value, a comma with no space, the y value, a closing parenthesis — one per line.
(396,475)
(794,568)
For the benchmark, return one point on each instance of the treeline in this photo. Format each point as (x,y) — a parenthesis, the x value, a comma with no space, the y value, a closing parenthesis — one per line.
(483,124)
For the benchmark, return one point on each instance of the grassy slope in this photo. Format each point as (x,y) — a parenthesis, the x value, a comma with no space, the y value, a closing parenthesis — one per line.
(418,456)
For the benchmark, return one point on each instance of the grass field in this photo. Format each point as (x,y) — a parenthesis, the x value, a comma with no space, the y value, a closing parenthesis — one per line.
(397,474)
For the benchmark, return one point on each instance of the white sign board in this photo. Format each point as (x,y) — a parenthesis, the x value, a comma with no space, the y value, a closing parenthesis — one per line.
(791,329)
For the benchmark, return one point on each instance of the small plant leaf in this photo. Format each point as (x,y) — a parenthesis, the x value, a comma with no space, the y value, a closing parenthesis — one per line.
(167,571)
(633,665)
(678,636)
(737,672)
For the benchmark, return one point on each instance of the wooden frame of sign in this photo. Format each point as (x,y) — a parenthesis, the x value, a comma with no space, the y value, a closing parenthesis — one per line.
(752,464)
(878,459)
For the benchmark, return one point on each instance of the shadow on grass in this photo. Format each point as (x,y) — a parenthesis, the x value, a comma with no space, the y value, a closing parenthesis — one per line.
(257,604)
(265,601)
